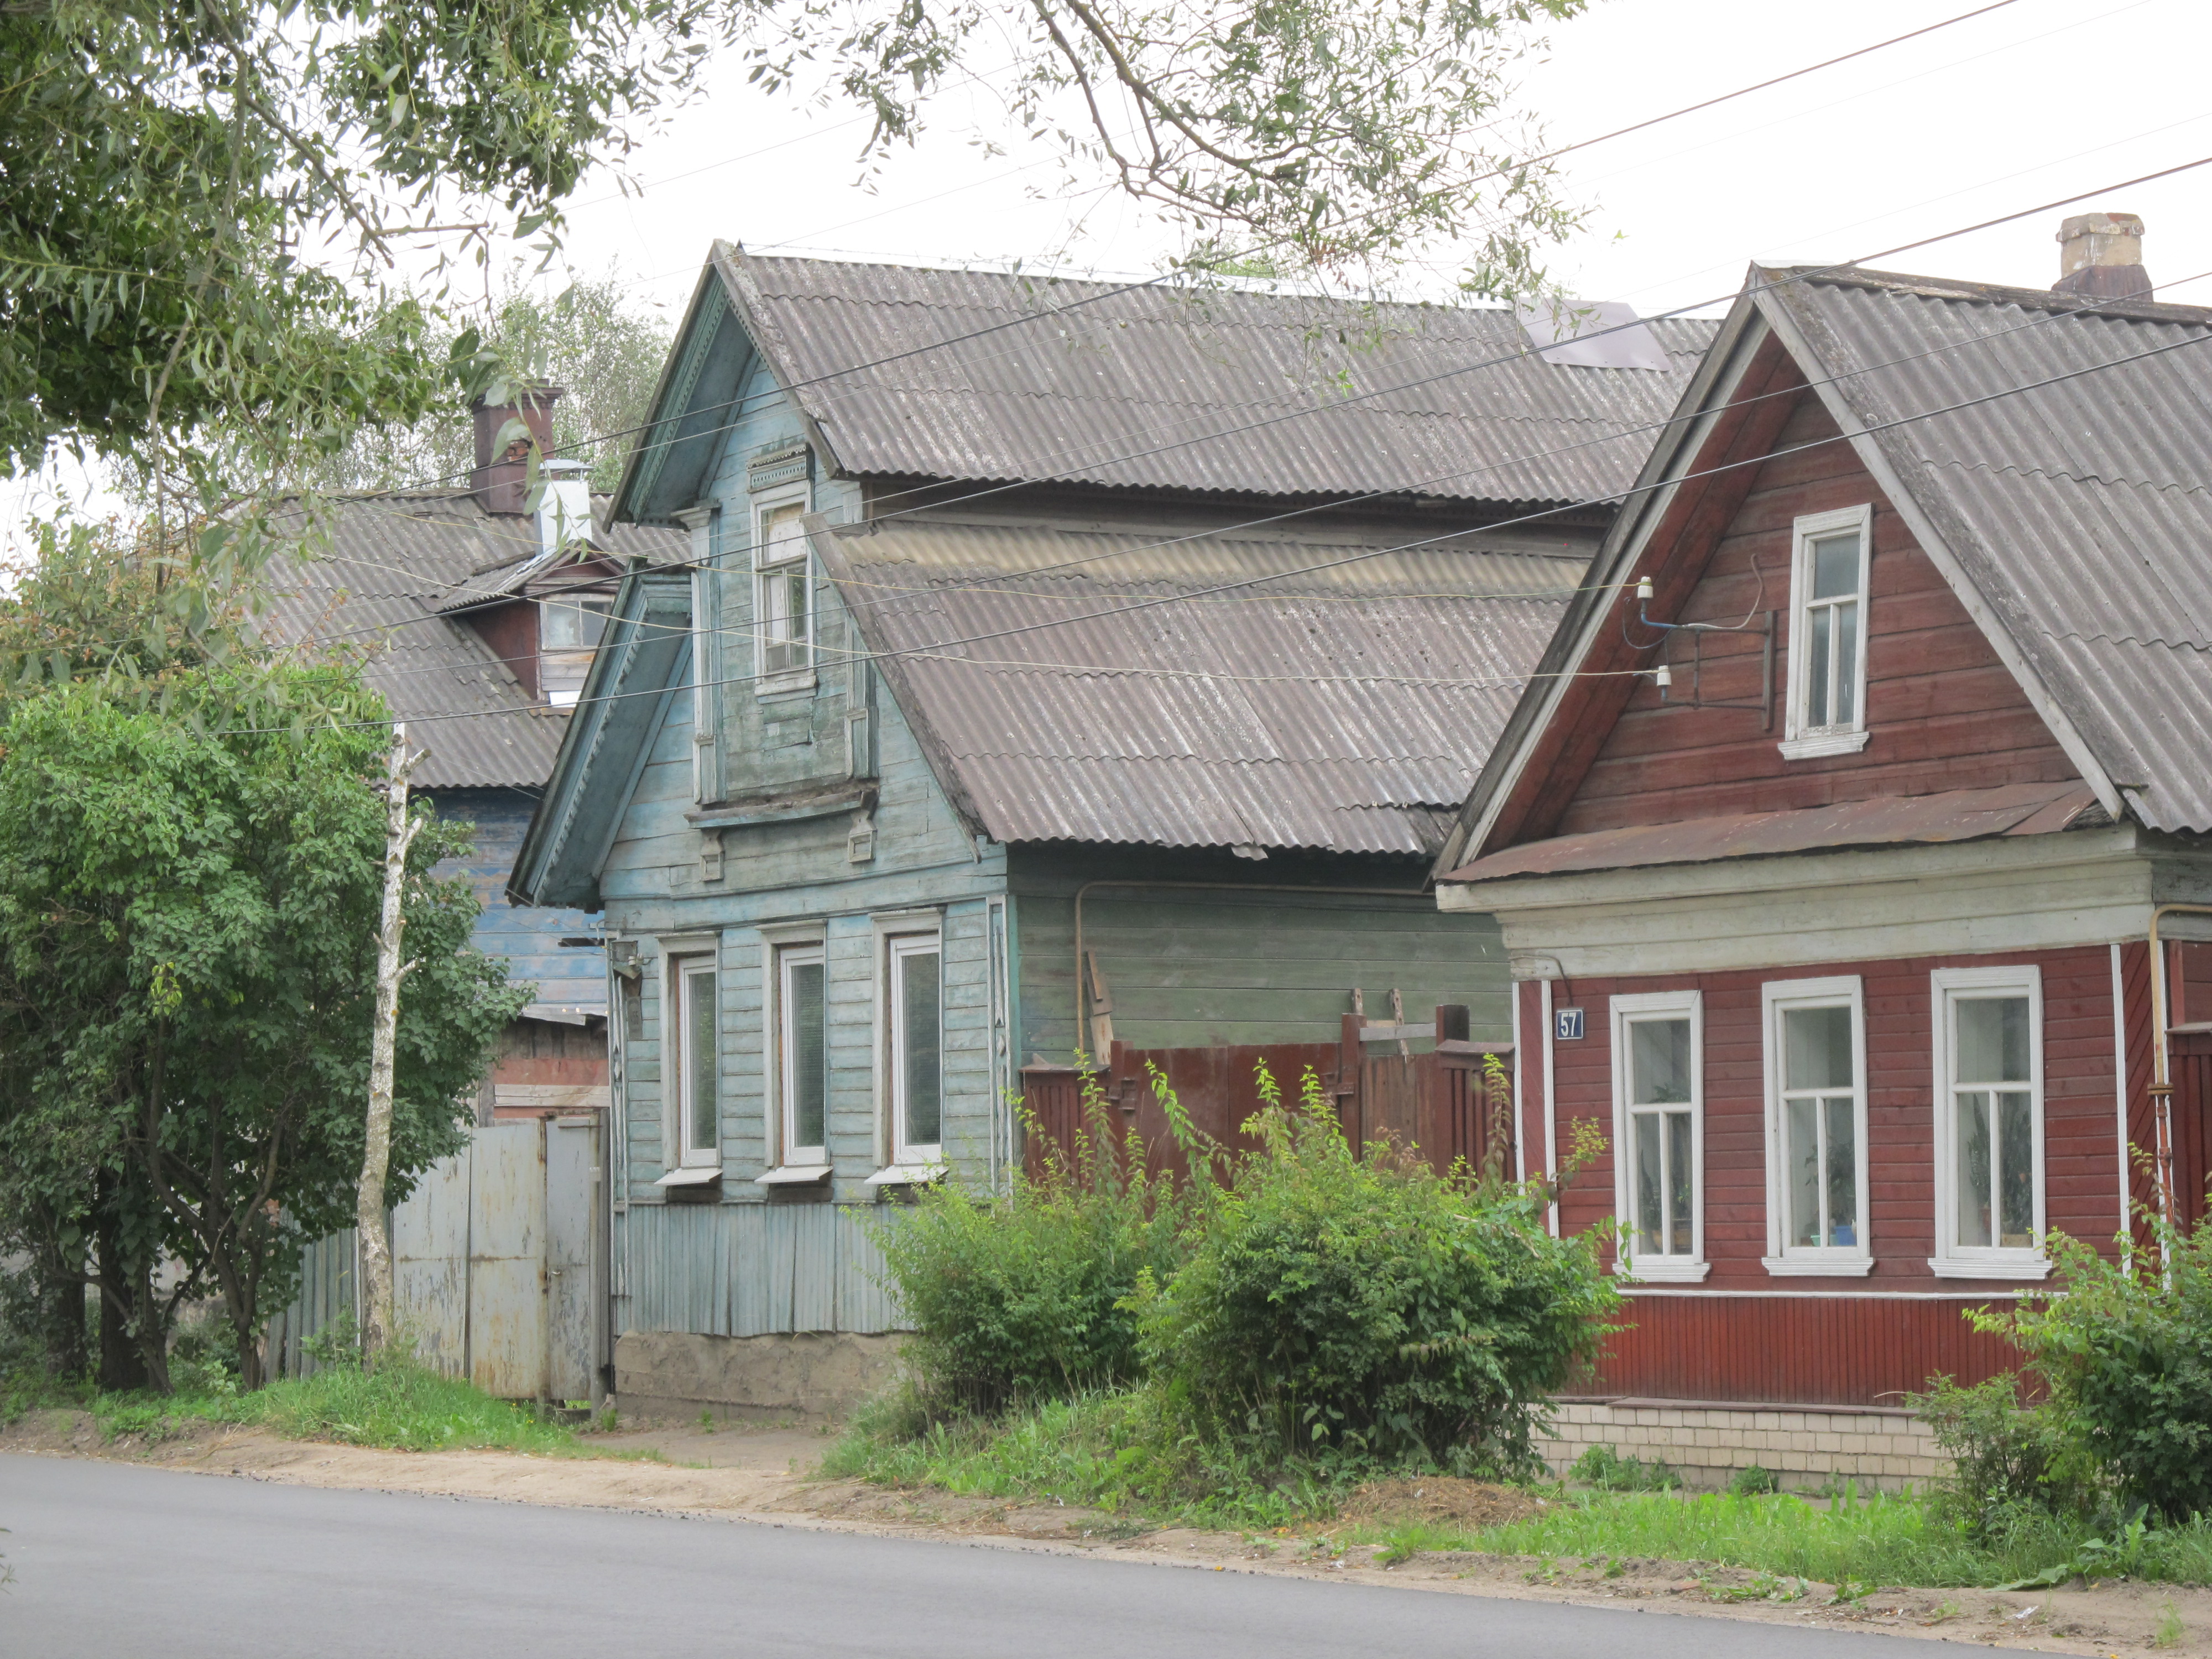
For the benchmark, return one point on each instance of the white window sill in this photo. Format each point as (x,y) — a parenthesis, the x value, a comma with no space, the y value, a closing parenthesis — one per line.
(794,1174)
(1645,1271)
(1818,745)
(2007,1266)
(699,1175)
(1816,1266)
(784,685)
(906,1175)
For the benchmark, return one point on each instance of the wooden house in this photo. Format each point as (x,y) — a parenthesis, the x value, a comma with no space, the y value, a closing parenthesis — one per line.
(480,611)
(1059,667)
(1849,845)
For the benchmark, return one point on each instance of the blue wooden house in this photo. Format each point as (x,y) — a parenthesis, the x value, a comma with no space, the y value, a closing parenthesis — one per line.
(1057,667)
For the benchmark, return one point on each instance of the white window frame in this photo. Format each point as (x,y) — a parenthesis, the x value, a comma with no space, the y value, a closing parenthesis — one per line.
(1799,740)
(1783,1259)
(897,936)
(1947,989)
(785,681)
(792,1161)
(1627,1012)
(680,959)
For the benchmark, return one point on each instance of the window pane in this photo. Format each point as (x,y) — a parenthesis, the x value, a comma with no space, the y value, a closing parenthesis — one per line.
(1802,1159)
(1835,567)
(1650,1216)
(1973,1156)
(1678,1182)
(803,1034)
(1817,1047)
(1992,1039)
(1659,1063)
(699,1058)
(1847,662)
(780,537)
(1843,1171)
(2015,1172)
(917,1029)
(1818,623)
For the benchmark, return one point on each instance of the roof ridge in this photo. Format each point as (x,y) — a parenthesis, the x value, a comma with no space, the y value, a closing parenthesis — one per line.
(2031,298)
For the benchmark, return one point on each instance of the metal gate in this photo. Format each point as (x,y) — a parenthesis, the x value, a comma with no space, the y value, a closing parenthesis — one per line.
(498,1271)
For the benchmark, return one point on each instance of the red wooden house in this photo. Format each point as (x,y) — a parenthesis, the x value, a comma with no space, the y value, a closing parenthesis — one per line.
(1850,842)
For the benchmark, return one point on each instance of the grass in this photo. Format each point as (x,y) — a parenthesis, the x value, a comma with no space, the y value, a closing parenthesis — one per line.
(402,1407)
(1108,1452)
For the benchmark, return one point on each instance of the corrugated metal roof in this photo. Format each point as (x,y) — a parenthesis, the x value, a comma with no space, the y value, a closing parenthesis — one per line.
(1141,388)
(2081,511)
(378,579)
(1952,815)
(1347,709)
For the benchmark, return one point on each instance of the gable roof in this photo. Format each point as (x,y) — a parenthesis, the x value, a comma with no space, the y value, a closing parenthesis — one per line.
(2067,509)
(387,570)
(1346,709)
(993,377)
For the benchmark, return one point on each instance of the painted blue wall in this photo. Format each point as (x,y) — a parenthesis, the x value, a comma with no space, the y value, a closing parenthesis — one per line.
(529,939)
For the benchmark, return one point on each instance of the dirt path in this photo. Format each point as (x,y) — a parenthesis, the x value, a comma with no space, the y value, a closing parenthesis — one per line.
(743,1474)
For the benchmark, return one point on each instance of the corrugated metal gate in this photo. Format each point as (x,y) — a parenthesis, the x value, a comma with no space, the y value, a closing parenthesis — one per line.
(497,1271)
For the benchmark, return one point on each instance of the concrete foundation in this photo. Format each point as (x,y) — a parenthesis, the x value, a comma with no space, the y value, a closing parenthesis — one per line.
(812,1375)
(1707,1442)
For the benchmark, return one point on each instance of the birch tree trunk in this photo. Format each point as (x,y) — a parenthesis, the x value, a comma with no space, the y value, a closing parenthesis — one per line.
(376,1146)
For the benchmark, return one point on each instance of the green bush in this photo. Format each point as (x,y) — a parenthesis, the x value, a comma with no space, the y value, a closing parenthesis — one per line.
(1020,1298)
(2126,1353)
(1607,1470)
(2008,1459)
(1368,1307)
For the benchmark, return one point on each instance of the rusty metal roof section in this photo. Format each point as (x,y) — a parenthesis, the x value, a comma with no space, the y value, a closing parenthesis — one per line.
(1953,814)
(1346,710)
(379,576)
(2080,511)
(1149,387)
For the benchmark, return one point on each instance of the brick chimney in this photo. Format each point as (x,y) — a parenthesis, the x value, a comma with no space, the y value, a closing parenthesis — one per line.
(501,482)
(2100,257)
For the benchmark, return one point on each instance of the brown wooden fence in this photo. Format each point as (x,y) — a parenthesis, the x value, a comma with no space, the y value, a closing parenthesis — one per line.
(1435,1101)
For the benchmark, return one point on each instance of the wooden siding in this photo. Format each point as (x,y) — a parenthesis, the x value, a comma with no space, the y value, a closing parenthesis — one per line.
(1190,967)
(528,939)
(2082,1178)
(1943,711)
(1832,1350)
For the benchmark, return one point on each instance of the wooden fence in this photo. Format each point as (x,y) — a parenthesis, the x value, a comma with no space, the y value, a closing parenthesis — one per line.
(1438,1101)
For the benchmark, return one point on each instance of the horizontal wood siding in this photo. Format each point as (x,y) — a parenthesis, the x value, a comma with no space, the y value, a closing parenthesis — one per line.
(1830,1351)
(528,940)
(2081,1157)
(1943,711)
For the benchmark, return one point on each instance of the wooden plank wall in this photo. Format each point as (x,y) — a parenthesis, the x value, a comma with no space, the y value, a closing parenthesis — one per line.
(1944,712)
(1837,1351)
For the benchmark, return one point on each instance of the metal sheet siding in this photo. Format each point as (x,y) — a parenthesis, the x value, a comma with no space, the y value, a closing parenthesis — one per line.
(756,1269)
(2080,509)
(1342,710)
(1150,388)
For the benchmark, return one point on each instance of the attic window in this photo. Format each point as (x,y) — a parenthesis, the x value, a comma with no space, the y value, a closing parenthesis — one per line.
(1828,634)
(783,609)
(572,624)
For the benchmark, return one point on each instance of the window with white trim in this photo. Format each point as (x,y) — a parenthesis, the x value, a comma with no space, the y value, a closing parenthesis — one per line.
(914,1029)
(1989,1122)
(1826,712)
(1816,1113)
(783,609)
(690,1031)
(802,1055)
(1658,1094)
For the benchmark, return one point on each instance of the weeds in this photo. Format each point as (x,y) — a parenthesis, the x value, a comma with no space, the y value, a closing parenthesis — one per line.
(1607,1470)
(2170,1629)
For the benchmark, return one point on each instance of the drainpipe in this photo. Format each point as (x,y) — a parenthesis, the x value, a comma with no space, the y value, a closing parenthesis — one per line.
(1211,887)
(2161,1076)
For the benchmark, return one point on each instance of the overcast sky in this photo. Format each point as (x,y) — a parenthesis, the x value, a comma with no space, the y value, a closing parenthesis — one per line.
(2037,100)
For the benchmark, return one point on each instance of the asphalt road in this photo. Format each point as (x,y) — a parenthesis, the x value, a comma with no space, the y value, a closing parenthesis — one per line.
(117,1562)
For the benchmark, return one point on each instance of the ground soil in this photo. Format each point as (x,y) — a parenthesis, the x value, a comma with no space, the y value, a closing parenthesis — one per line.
(739,1473)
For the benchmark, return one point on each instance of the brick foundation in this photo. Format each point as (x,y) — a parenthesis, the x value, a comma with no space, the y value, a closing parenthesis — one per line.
(1706,1442)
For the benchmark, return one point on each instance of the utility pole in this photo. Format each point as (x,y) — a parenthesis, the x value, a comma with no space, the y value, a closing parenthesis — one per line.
(376,1147)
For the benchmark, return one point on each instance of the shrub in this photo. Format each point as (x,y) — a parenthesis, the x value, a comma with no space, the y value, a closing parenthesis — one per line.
(2126,1353)
(1021,1298)
(2008,1459)
(1370,1308)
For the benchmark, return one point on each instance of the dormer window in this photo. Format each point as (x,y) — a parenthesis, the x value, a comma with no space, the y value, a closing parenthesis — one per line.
(568,629)
(783,608)
(1827,635)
